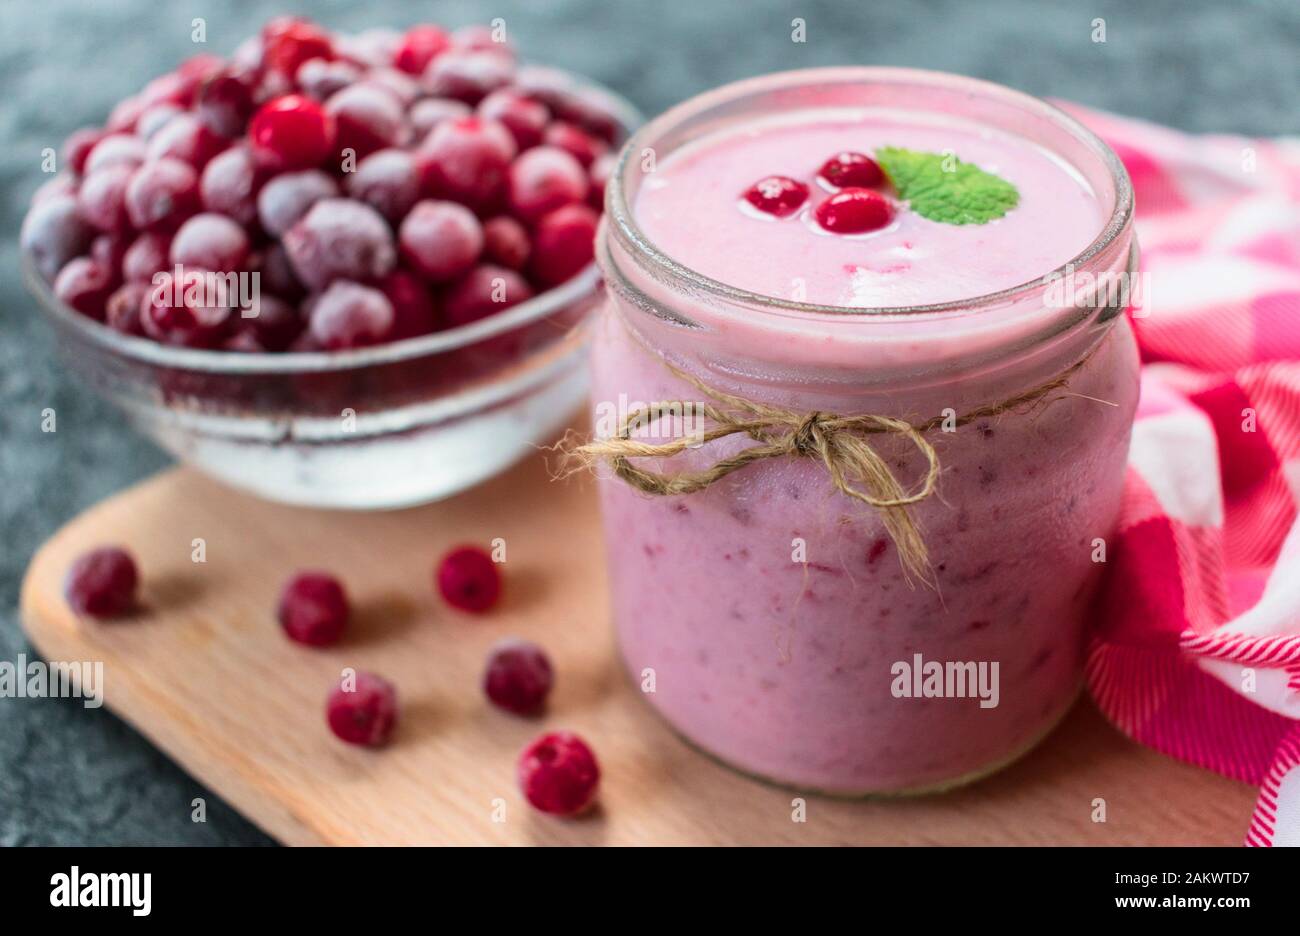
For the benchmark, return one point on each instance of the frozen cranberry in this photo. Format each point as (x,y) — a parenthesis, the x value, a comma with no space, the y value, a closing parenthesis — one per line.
(575,108)
(362,710)
(84,284)
(543,179)
(197,68)
(388,181)
(145,256)
(506,242)
(518,677)
(126,113)
(102,197)
(468,579)
(102,582)
(468,75)
(271,85)
(248,54)
(210,242)
(314,609)
(114,149)
(575,141)
(178,87)
(243,341)
(315,388)
(484,291)
(600,123)
(466,160)
(275,324)
(414,313)
(524,117)
(427,113)
(277,273)
(320,78)
(162,194)
(54,232)
(370,48)
(847,169)
(225,103)
(340,239)
(78,146)
(108,250)
(192,311)
(154,119)
(349,315)
(563,244)
(368,119)
(289,41)
(779,196)
(558,774)
(188,139)
(284,200)
(230,183)
(480,38)
(854,211)
(62,184)
(399,84)
(440,239)
(418,48)
(122,311)
(601,170)
(293,132)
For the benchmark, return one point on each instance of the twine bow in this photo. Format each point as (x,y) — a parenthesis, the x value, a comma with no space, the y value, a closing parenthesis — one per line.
(840,443)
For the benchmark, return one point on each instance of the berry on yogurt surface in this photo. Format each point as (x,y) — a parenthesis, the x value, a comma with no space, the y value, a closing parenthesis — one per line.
(779,196)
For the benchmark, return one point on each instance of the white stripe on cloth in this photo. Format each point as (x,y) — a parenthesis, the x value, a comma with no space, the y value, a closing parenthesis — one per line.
(1276,614)
(1177,455)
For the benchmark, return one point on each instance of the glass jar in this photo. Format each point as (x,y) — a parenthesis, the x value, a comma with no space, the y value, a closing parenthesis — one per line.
(768,617)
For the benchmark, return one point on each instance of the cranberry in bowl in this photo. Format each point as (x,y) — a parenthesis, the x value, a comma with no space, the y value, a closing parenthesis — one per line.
(335,270)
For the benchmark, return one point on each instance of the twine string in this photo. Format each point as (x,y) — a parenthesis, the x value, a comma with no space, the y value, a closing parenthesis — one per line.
(839,442)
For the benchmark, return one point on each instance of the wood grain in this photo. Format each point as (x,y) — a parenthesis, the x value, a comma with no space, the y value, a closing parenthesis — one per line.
(205,673)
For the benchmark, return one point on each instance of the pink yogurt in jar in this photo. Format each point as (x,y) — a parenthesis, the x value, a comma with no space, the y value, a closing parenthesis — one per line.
(771,614)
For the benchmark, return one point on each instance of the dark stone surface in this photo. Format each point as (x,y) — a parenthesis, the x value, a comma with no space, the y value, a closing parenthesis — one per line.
(70,775)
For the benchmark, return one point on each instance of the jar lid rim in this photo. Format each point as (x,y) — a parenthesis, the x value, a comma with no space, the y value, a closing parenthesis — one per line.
(621,219)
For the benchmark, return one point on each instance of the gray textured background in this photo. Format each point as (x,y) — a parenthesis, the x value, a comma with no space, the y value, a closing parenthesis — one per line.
(70,775)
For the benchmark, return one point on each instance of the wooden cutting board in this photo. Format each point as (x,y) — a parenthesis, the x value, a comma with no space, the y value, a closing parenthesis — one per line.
(204,672)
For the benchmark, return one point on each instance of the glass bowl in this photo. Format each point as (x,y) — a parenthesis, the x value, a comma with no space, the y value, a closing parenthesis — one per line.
(387,426)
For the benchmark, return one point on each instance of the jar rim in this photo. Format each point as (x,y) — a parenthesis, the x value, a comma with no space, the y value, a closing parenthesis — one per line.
(620,216)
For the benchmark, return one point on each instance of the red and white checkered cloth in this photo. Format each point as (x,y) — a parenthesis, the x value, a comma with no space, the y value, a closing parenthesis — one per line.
(1197,647)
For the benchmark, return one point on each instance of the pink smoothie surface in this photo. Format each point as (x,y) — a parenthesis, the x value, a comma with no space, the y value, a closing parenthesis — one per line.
(690,208)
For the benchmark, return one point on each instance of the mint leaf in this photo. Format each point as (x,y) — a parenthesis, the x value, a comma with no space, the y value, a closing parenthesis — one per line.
(945,189)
